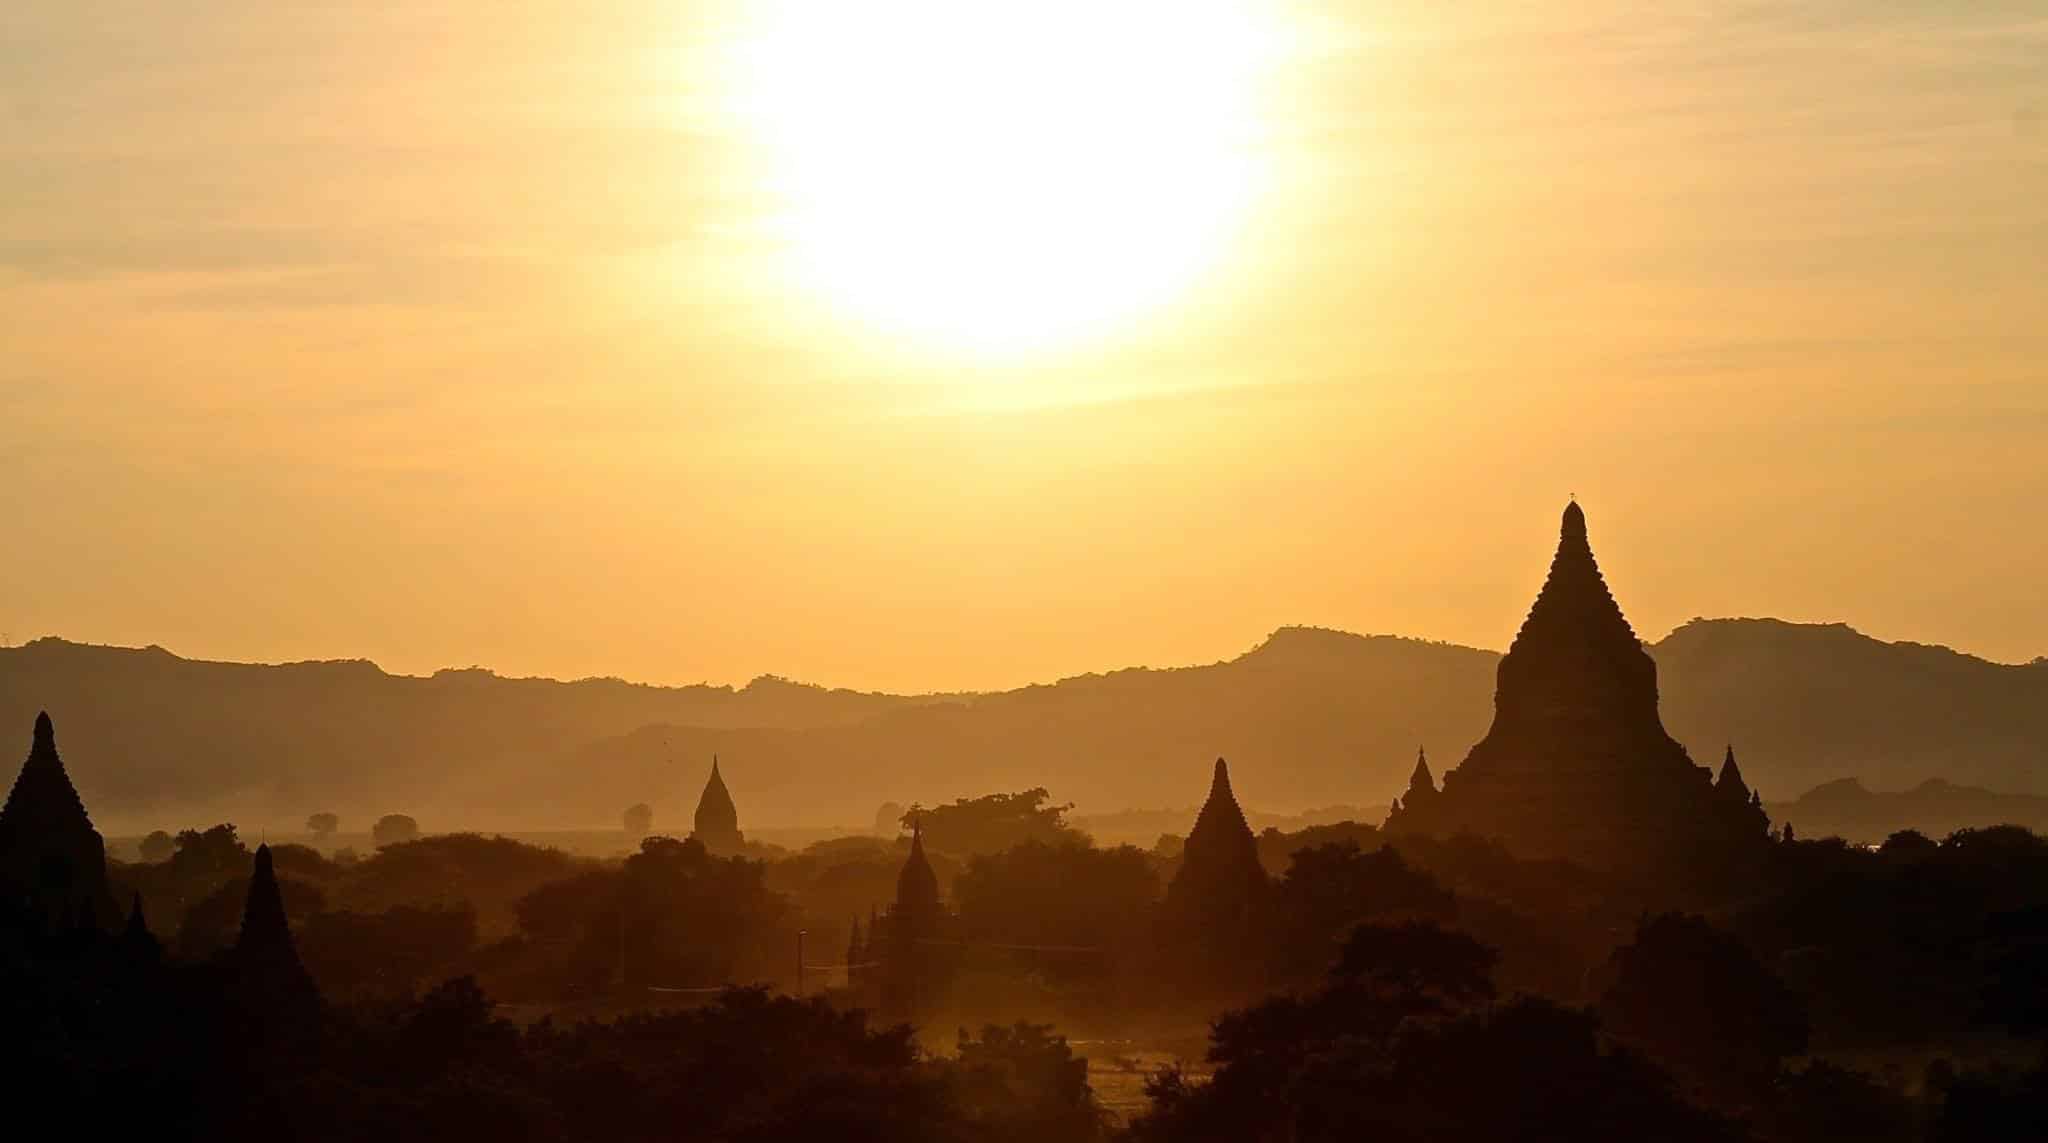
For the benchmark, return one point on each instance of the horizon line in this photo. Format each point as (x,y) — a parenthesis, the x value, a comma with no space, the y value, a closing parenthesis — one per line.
(771,677)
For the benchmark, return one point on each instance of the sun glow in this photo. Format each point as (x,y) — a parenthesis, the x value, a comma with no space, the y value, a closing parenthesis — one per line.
(1003,177)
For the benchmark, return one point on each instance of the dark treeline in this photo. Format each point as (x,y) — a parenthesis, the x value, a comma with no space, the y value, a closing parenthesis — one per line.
(1397,978)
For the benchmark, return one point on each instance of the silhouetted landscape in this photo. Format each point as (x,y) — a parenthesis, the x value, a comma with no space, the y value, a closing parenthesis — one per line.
(1327,718)
(1311,572)
(1608,939)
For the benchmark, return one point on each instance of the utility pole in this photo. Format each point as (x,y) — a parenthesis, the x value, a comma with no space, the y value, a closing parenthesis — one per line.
(800,960)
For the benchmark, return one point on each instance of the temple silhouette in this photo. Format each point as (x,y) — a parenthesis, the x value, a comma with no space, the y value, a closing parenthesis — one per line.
(717,824)
(914,965)
(53,863)
(1577,764)
(1220,880)
(1215,916)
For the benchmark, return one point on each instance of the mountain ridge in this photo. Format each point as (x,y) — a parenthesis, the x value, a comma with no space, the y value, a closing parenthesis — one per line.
(1308,715)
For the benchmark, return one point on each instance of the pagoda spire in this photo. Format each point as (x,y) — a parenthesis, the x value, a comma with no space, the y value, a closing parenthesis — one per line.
(1221,817)
(1219,871)
(1575,599)
(856,952)
(718,820)
(1421,779)
(136,939)
(1422,789)
(1730,784)
(49,851)
(264,954)
(43,790)
(917,886)
(913,965)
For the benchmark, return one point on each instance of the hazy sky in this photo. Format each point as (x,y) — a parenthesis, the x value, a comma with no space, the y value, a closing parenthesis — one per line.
(681,341)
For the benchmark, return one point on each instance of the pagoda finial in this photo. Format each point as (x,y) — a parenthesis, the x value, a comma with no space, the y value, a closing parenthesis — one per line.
(1421,779)
(1730,783)
(1574,525)
(46,733)
(917,886)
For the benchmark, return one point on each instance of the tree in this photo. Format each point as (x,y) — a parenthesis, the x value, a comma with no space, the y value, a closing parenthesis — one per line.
(321,825)
(887,818)
(1074,896)
(673,916)
(1695,999)
(1908,844)
(639,819)
(158,847)
(1024,1084)
(693,919)
(1403,1043)
(394,828)
(214,851)
(994,822)
(1824,1101)
(1329,889)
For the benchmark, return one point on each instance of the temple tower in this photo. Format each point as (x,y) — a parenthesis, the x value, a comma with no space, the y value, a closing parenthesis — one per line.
(264,956)
(856,953)
(53,863)
(137,942)
(913,972)
(1421,783)
(1220,881)
(718,820)
(1577,764)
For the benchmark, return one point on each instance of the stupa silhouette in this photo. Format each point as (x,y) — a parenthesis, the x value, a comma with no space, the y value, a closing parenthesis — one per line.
(717,823)
(1577,764)
(915,966)
(53,863)
(1220,879)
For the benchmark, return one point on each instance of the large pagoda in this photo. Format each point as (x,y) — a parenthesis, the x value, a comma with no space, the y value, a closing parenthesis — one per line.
(1577,764)
(53,863)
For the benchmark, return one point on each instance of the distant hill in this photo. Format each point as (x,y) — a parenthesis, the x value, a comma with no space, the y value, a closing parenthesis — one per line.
(1806,703)
(1308,718)
(1844,808)
(155,740)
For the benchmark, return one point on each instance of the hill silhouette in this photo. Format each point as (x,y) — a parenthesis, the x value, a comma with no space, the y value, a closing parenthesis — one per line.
(1846,808)
(1308,717)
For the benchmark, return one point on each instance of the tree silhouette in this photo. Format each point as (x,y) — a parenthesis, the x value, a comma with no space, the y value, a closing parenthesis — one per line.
(1402,1043)
(394,828)
(158,847)
(993,822)
(639,819)
(1694,998)
(1064,897)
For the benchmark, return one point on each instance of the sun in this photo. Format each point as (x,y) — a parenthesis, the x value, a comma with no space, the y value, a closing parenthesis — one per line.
(1003,176)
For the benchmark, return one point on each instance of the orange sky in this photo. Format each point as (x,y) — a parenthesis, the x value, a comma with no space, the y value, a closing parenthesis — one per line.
(581,341)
